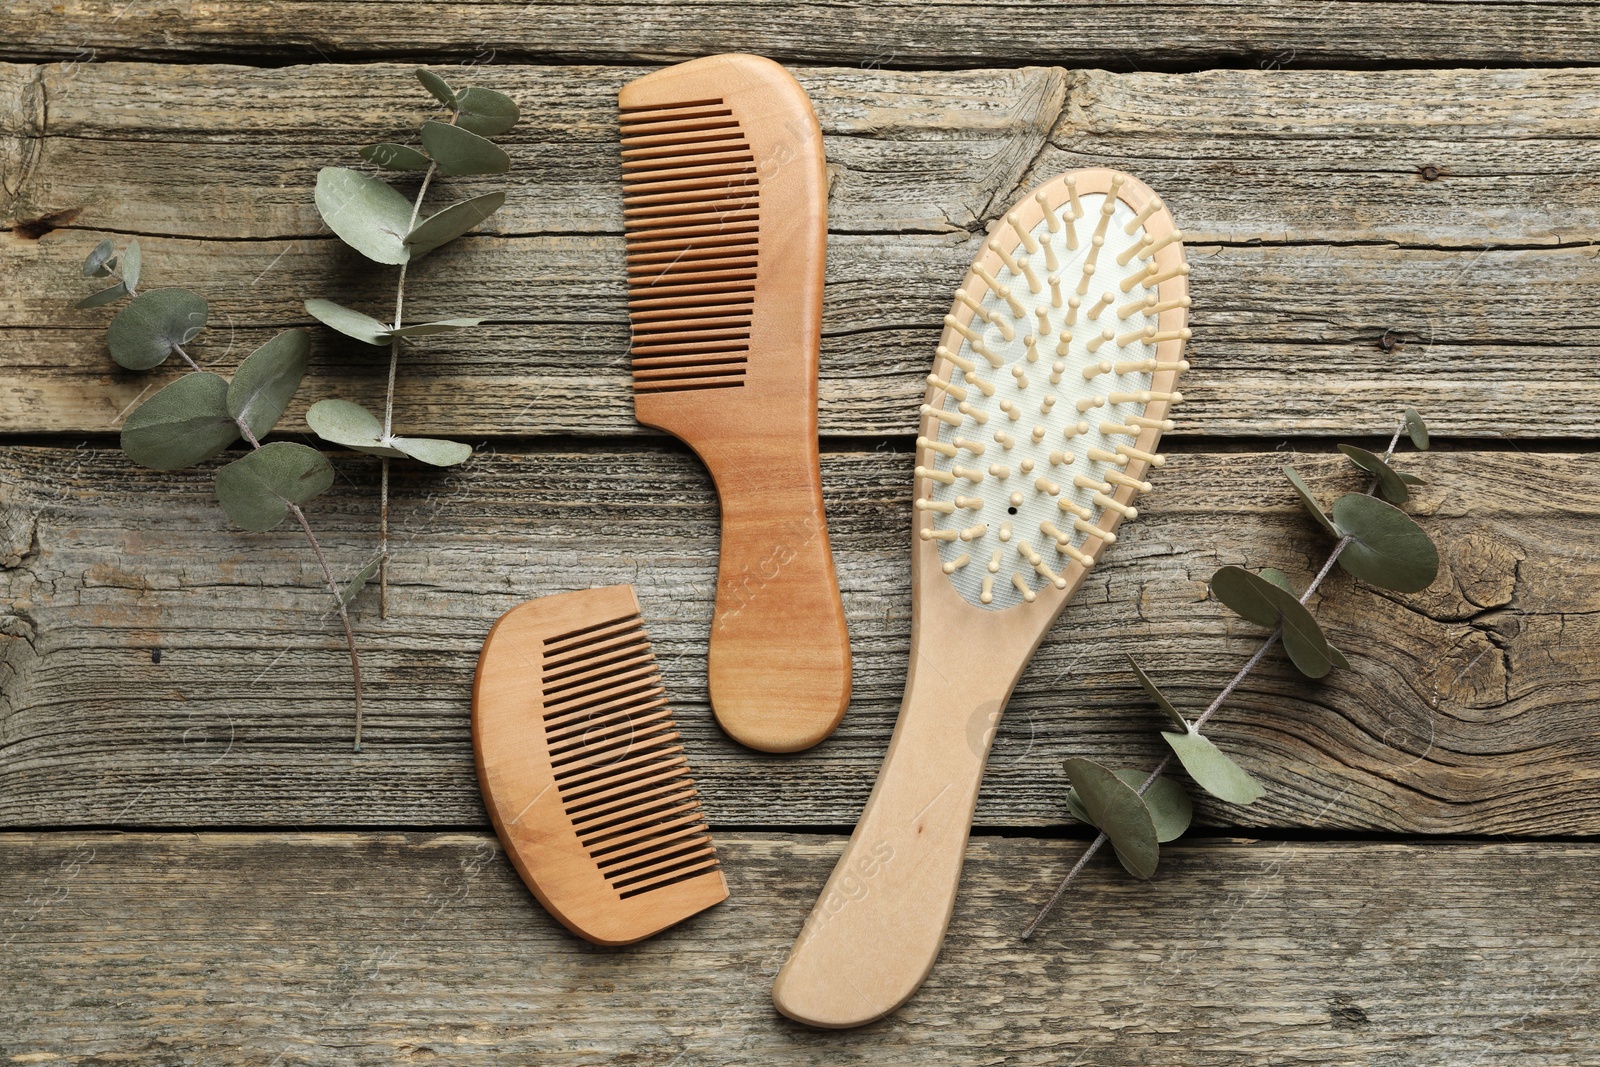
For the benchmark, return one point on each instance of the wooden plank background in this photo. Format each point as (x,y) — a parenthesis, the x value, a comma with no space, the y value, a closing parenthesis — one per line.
(1388,203)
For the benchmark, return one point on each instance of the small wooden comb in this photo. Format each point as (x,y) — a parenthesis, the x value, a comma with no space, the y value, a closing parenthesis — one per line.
(582,772)
(725,204)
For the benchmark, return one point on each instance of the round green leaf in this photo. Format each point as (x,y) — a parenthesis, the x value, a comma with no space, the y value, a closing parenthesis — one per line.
(1307,499)
(486,112)
(1279,579)
(1243,593)
(1157,695)
(1390,484)
(1338,658)
(460,152)
(438,87)
(389,156)
(184,423)
(452,222)
(266,380)
(367,214)
(1386,547)
(422,329)
(1417,429)
(128,265)
(349,322)
(1170,809)
(257,489)
(145,332)
(1120,813)
(104,296)
(342,422)
(1266,604)
(432,451)
(96,265)
(1213,771)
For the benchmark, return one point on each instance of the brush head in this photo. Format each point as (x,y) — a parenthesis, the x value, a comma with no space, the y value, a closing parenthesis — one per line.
(1051,388)
(582,770)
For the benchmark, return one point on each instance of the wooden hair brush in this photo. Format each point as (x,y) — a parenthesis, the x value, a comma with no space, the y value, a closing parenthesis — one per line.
(582,771)
(1048,394)
(725,206)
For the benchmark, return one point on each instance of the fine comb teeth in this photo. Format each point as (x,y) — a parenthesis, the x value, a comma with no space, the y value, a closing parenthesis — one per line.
(725,210)
(1057,368)
(582,770)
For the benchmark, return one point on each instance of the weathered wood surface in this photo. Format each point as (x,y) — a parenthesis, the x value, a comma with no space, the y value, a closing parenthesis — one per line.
(311,949)
(885,32)
(1470,708)
(1242,155)
(1488,292)
(1287,339)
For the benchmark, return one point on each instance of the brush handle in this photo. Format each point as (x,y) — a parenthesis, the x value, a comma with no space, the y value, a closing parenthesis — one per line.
(876,929)
(779,661)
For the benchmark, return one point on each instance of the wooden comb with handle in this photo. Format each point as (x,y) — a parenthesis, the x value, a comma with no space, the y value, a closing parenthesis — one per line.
(725,207)
(1050,390)
(582,771)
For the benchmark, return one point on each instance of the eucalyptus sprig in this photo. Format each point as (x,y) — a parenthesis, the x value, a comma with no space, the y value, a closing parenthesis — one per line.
(202,414)
(369,215)
(1375,542)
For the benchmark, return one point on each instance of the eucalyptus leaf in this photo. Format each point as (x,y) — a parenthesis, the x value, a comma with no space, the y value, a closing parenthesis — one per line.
(128,265)
(349,322)
(1279,579)
(97,263)
(438,87)
(1157,695)
(486,112)
(433,451)
(156,322)
(389,156)
(181,425)
(422,329)
(1386,548)
(459,152)
(1307,499)
(1213,771)
(1411,479)
(1338,658)
(367,214)
(257,489)
(104,296)
(354,586)
(1170,809)
(1266,604)
(1120,813)
(342,422)
(452,222)
(1390,484)
(1417,429)
(265,382)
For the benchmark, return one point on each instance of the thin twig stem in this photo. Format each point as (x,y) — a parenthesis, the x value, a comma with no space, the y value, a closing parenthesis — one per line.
(344,613)
(333,586)
(1215,705)
(388,408)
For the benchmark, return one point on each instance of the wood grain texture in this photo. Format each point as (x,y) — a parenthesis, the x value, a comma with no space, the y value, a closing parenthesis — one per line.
(892,33)
(1288,340)
(1248,155)
(335,949)
(1486,291)
(1470,709)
